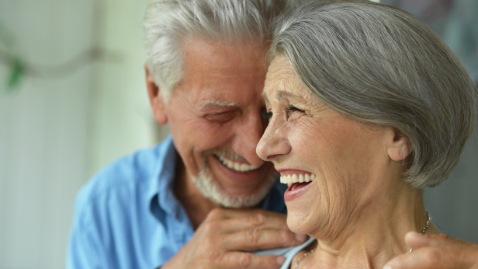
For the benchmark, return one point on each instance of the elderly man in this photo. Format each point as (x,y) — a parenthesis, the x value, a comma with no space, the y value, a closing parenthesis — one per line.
(202,198)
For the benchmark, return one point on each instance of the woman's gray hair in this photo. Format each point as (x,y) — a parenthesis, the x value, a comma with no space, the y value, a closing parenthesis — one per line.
(380,65)
(168,22)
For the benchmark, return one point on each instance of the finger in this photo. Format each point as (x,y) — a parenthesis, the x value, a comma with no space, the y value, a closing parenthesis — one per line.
(258,239)
(232,235)
(416,240)
(247,230)
(250,216)
(403,261)
(428,258)
(240,260)
(424,258)
(233,221)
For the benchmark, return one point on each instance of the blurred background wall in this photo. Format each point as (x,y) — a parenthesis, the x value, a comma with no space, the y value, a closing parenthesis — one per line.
(78,104)
(72,99)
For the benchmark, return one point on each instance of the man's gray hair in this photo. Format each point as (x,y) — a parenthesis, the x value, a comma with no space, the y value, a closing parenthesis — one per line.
(380,65)
(168,22)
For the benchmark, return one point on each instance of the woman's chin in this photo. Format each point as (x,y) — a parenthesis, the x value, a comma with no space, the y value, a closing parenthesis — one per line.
(298,226)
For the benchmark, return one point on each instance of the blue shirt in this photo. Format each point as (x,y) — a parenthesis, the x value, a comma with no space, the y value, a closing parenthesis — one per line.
(128,217)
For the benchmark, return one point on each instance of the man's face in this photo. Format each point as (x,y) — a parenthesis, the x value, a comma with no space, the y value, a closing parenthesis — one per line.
(214,115)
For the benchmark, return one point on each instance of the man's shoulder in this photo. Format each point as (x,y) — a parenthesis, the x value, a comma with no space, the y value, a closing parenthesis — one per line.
(128,174)
(113,209)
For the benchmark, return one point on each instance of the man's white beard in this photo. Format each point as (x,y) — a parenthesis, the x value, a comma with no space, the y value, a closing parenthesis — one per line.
(211,189)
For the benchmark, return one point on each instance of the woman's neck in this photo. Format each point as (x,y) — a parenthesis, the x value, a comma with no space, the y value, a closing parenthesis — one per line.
(374,235)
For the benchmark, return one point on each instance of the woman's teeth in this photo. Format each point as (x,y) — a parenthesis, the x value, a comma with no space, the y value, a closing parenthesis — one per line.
(240,167)
(291,179)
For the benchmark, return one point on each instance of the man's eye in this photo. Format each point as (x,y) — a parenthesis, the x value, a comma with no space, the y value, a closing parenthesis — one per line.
(266,115)
(220,117)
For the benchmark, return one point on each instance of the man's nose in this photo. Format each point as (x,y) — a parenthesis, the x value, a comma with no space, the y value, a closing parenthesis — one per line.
(247,136)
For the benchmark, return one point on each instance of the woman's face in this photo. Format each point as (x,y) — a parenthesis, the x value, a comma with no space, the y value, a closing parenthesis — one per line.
(342,159)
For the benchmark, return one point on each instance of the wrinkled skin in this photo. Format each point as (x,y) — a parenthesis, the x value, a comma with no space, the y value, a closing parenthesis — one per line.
(223,239)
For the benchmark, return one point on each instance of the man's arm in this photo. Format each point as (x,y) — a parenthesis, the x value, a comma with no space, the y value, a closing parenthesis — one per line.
(436,252)
(226,237)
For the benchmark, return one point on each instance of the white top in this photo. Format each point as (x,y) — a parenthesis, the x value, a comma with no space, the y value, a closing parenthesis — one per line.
(288,253)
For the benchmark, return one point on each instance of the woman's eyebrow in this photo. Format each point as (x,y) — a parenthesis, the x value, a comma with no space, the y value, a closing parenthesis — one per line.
(281,95)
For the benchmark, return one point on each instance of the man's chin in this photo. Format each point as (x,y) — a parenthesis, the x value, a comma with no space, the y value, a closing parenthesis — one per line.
(227,200)
(240,202)
(210,189)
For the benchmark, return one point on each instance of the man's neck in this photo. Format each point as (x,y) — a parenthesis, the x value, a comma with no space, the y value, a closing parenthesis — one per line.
(196,205)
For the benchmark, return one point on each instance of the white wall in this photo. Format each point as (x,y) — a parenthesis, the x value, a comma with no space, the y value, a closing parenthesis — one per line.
(55,132)
(44,129)
(122,121)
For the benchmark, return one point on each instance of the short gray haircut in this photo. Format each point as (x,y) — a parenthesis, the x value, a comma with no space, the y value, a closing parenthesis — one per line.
(168,22)
(380,65)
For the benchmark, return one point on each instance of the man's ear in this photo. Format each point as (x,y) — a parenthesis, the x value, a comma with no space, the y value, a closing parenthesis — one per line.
(399,147)
(155,98)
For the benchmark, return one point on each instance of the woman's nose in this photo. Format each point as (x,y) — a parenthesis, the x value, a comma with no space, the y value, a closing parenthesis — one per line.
(247,135)
(273,142)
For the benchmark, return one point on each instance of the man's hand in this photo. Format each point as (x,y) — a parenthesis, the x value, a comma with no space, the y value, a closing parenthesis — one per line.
(226,237)
(436,252)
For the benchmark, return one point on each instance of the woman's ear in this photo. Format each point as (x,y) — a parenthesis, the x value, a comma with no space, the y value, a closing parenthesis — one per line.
(155,98)
(399,147)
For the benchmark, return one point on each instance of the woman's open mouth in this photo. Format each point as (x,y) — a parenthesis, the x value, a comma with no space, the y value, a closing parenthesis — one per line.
(295,181)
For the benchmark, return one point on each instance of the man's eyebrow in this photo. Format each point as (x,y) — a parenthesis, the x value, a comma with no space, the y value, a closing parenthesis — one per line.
(215,102)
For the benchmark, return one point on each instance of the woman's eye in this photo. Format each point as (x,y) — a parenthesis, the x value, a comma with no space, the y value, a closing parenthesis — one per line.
(292,109)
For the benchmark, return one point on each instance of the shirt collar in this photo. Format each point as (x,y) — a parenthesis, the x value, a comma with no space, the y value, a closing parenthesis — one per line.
(160,193)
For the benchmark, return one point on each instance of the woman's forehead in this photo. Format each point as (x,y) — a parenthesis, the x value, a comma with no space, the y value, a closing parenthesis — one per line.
(282,82)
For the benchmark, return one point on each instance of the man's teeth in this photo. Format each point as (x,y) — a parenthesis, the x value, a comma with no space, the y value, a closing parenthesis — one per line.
(241,167)
(291,179)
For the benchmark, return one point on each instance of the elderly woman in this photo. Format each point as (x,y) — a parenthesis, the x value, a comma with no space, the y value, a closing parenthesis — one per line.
(367,107)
